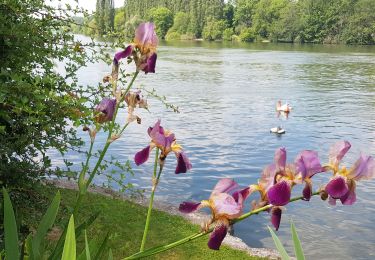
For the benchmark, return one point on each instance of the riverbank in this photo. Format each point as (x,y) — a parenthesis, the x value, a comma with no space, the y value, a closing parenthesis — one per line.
(123,218)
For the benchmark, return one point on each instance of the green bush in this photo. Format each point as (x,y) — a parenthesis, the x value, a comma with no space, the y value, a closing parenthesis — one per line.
(37,104)
(213,29)
(227,34)
(247,35)
(163,19)
(173,36)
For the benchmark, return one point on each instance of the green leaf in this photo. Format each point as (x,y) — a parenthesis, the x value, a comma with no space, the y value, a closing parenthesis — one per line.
(69,251)
(297,243)
(284,255)
(88,256)
(10,229)
(28,245)
(110,255)
(56,254)
(102,248)
(45,224)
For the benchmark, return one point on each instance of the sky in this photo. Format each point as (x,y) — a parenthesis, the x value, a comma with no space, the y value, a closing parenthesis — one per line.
(87,4)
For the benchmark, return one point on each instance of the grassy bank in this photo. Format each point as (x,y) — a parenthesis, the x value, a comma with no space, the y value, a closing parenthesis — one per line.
(124,222)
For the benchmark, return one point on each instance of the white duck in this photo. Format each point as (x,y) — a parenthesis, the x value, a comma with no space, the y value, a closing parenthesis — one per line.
(277,130)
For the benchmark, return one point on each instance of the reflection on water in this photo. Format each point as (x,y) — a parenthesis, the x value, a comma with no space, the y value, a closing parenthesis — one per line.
(227,96)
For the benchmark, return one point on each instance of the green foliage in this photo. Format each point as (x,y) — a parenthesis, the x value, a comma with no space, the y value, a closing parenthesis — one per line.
(130,27)
(247,35)
(163,19)
(197,11)
(69,251)
(104,16)
(180,23)
(213,30)
(45,224)
(296,243)
(267,12)
(227,34)
(10,229)
(36,102)
(119,22)
(171,36)
(284,255)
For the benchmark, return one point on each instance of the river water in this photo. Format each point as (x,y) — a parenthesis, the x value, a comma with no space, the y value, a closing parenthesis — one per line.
(227,95)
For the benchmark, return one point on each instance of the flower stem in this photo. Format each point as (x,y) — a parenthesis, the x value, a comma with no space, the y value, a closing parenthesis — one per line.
(155,181)
(102,154)
(159,249)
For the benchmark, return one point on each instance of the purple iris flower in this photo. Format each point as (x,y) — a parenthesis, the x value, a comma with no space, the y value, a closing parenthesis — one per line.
(166,142)
(342,186)
(105,110)
(143,50)
(277,180)
(308,164)
(226,203)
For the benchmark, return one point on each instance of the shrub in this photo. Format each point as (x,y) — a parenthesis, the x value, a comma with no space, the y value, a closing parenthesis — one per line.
(37,103)
(227,34)
(173,36)
(247,35)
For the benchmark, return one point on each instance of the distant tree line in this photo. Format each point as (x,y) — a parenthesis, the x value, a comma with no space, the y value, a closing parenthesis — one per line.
(303,21)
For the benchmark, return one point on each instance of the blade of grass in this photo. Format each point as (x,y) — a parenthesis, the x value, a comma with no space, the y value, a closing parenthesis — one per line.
(69,251)
(56,254)
(297,243)
(10,229)
(102,248)
(87,248)
(284,255)
(45,224)
(110,255)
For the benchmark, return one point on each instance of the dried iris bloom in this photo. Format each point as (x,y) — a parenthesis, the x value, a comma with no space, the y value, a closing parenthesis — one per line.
(105,110)
(134,99)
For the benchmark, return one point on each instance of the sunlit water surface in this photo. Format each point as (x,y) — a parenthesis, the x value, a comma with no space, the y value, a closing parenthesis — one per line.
(227,95)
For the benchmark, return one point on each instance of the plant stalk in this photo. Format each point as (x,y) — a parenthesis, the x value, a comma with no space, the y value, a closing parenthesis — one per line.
(159,249)
(155,181)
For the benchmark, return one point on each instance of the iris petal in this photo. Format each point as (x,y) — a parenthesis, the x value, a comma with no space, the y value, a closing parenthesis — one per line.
(151,63)
(363,168)
(188,207)
(244,194)
(225,185)
(337,187)
(183,163)
(307,191)
(276,217)
(225,205)
(331,201)
(279,194)
(145,35)
(307,163)
(107,108)
(123,54)
(280,158)
(337,152)
(142,156)
(218,235)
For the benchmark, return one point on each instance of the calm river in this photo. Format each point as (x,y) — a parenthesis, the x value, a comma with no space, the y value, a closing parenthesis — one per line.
(227,95)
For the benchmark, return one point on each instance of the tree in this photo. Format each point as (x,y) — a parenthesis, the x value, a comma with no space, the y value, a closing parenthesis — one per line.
(213,29)
(119,21)
(163,19)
